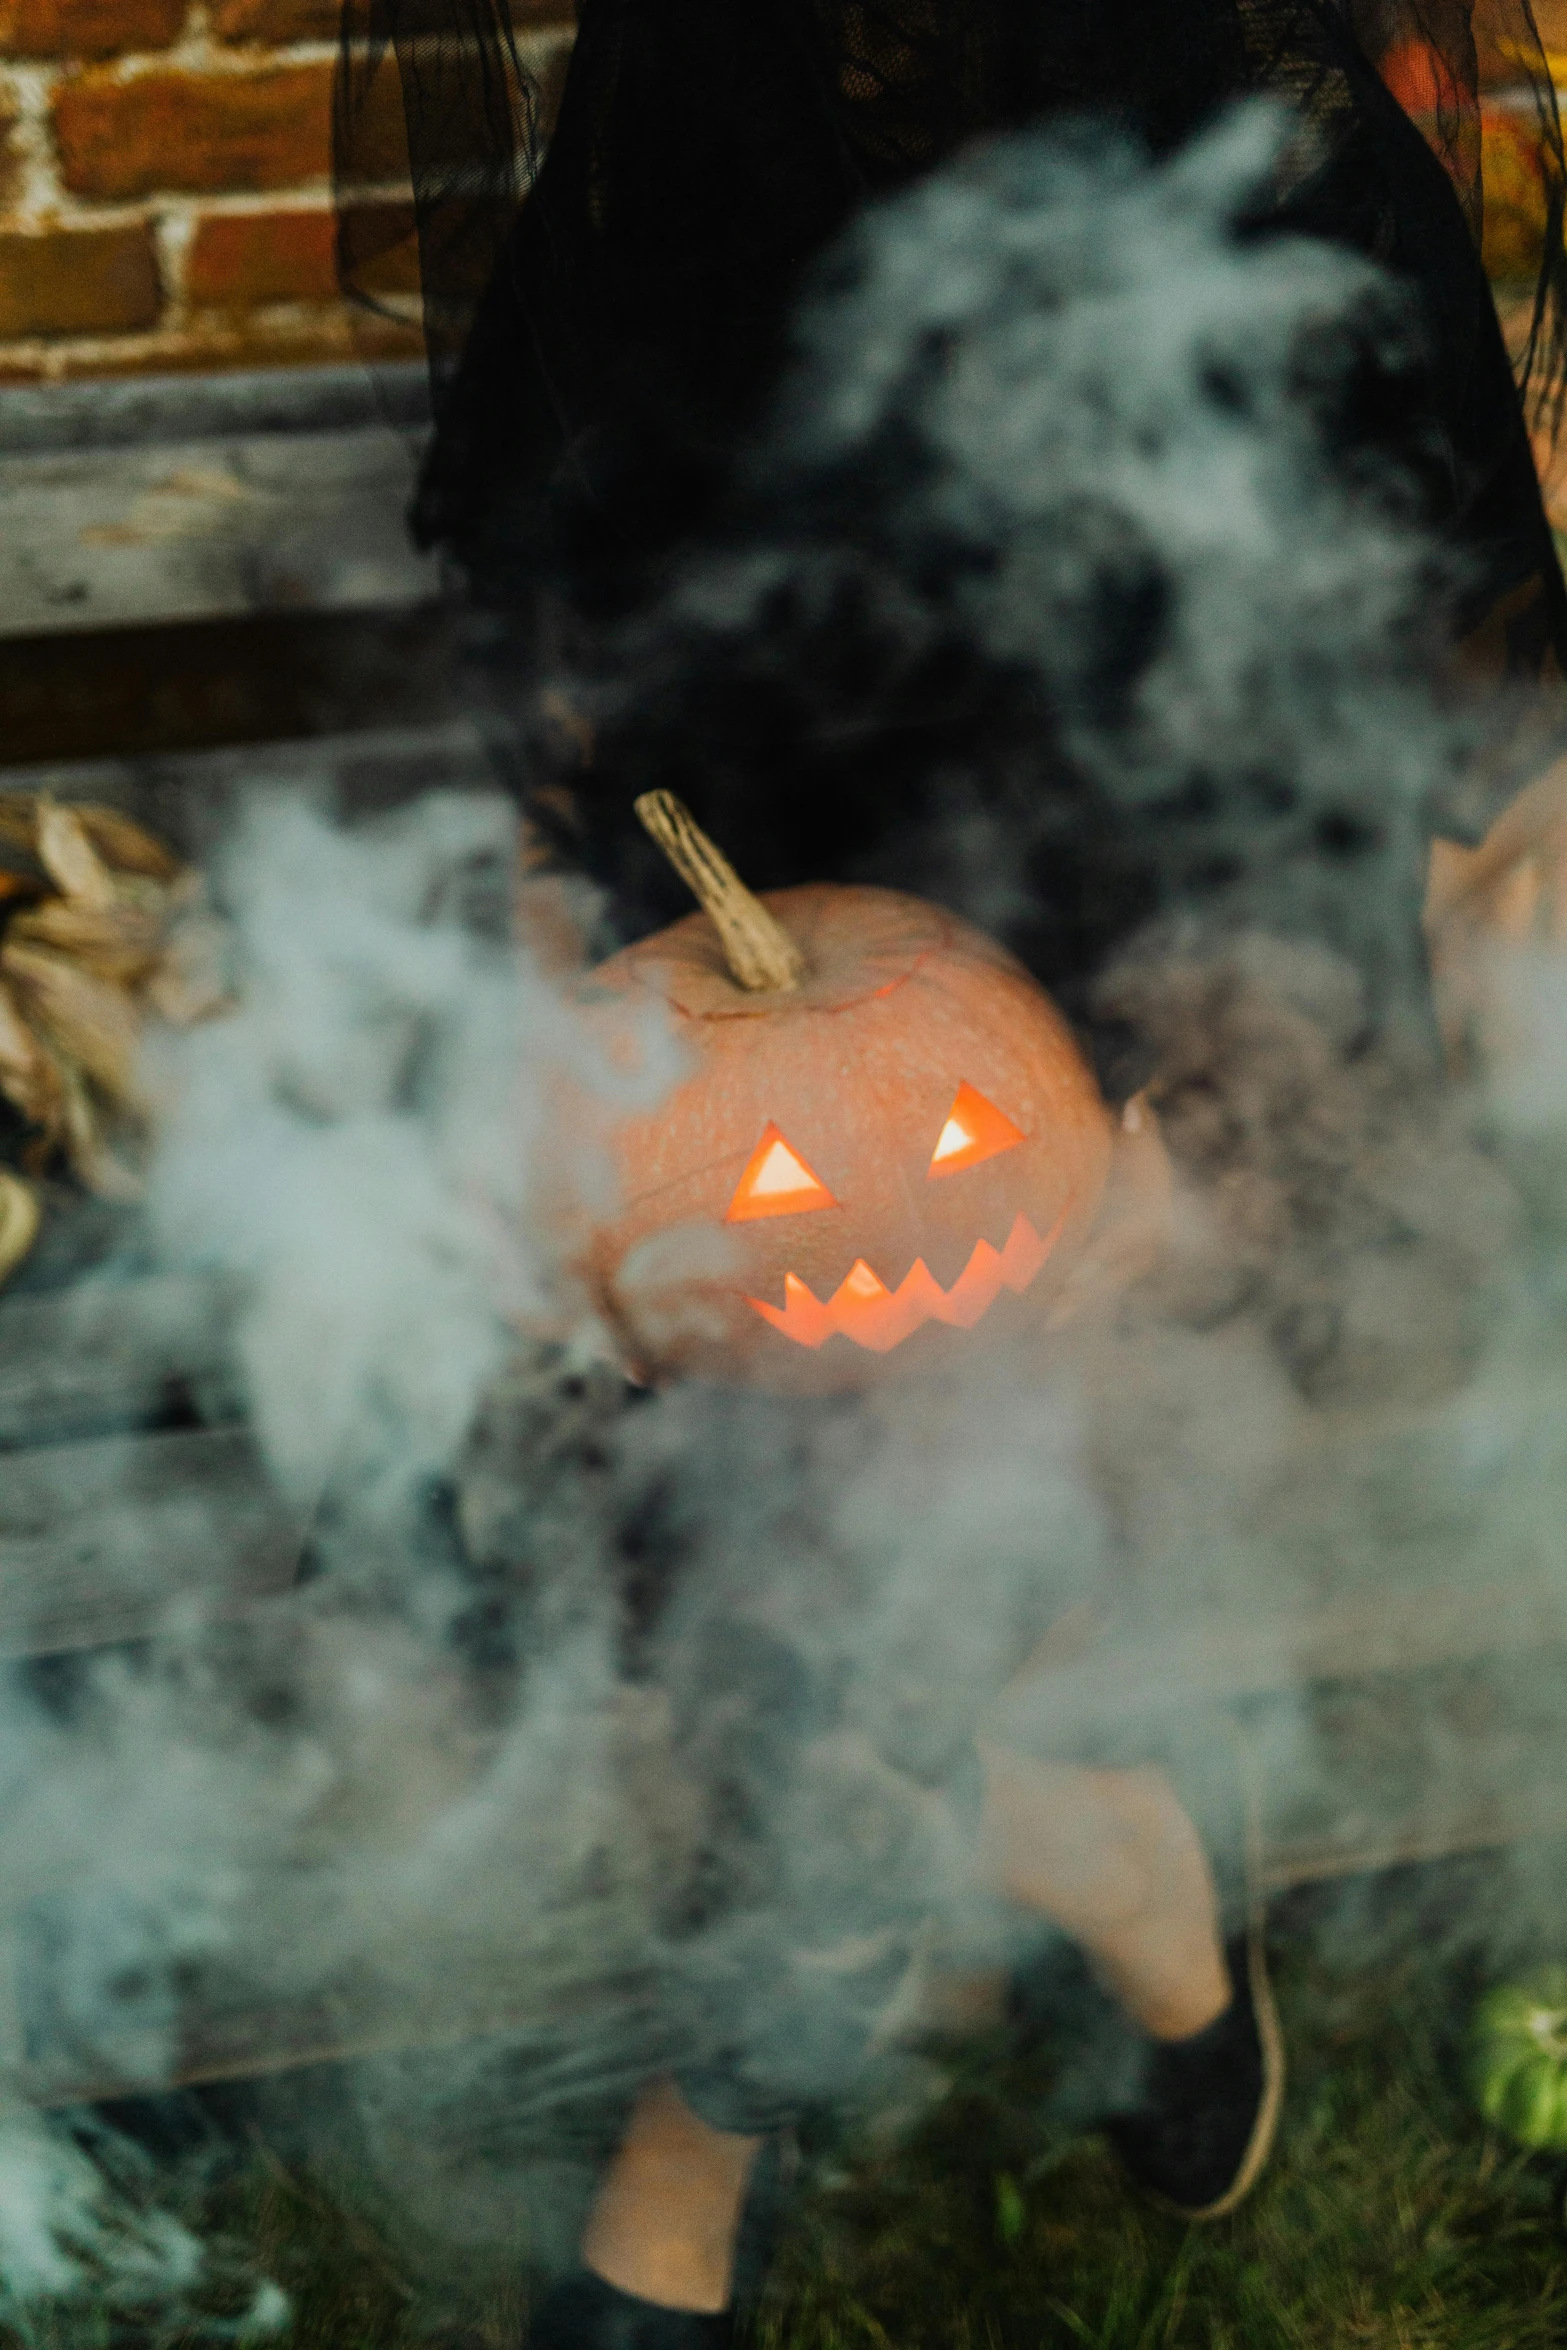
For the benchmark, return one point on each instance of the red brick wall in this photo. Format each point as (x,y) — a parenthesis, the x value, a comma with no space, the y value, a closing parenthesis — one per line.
(165,196)
(1514,215)
(1514,191)
(1514,211)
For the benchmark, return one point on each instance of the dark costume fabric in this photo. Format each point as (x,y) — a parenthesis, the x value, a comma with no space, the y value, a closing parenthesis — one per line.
(603,350)
(596,352)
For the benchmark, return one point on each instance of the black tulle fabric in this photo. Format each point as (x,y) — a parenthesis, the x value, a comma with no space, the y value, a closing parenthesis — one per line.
(596,349)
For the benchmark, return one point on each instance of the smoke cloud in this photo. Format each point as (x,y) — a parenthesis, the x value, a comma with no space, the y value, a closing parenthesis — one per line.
(616,1728)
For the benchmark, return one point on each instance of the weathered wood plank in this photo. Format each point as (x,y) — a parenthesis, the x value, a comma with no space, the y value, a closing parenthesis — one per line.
(110,1355)
(1407,1765)
(191,798)
(208,530)
(1208,1657)
(51,2068)
(104,1541)
(147,410)
(1353,1777)
(1533,1812)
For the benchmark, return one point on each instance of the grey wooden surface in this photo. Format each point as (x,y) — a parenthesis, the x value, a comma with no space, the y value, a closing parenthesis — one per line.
(1405,1769)
(560,1994)
(130,1492)
(1394,1768)
(208,500)
(192,798)
(159,409)
(111,1539)
(108,1354)
(208,530)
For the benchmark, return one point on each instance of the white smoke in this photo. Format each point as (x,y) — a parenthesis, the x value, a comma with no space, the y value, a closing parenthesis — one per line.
(617,1728)
(353,1140)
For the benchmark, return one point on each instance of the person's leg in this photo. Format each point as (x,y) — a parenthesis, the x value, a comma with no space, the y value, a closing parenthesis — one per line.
(667,2213)
(1111,1858)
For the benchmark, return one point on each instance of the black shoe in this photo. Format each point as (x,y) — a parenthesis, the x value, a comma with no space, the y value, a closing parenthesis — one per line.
(582,2312)
(1208,2114)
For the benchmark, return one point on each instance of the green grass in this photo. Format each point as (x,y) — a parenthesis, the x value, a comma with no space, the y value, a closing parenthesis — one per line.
(1390,2220)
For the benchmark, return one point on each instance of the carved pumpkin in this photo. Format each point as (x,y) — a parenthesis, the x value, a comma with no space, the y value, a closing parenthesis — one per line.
(887,1136)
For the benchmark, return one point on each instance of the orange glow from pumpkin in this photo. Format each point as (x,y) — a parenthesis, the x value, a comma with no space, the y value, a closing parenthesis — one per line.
(776,1182)
(865,1309)
(975,1130)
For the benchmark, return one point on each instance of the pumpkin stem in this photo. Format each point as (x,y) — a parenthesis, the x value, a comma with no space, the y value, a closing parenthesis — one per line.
(759,951)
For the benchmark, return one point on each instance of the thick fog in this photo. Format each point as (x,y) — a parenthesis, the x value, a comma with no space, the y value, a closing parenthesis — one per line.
(622,1726)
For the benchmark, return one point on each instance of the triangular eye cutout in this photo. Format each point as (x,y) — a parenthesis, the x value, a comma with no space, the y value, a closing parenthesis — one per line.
(975,1130)
(777,1182)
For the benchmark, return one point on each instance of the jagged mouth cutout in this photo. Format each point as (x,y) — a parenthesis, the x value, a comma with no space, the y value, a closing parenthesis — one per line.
(778,1182)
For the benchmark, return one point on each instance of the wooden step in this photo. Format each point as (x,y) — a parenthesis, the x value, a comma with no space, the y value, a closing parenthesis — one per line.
(192,798)
(191,499)
(129,1491)
(121,1538)
(114,1354)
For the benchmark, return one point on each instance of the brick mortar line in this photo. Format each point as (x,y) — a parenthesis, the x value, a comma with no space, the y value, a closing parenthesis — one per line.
(62,223)
(206,57)
(72,215)
(175,231)
(304,196)
(204,60)
(173,234)
(31,88)
(75,213)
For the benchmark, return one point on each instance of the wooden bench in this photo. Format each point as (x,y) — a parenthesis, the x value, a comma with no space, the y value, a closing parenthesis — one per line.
(131,1490)
(1429,1690)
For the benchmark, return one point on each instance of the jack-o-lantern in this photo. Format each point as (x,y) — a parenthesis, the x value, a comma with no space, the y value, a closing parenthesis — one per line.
(886,1139)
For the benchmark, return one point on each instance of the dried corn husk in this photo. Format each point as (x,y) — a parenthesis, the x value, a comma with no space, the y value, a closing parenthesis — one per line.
(113,930)
(18,1222)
